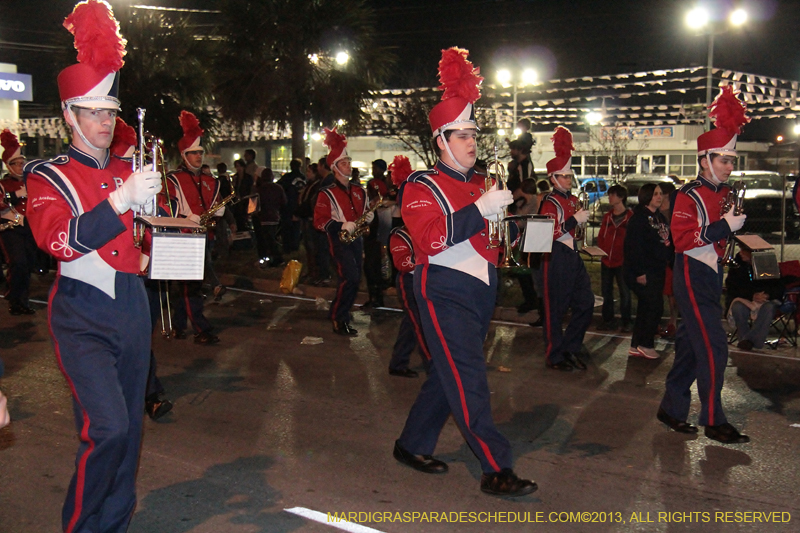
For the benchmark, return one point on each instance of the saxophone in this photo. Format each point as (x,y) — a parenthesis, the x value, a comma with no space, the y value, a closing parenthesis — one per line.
(13,223)
(362,228)
(207,218)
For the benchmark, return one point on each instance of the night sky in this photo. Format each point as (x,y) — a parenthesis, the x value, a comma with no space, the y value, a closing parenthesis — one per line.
(559,39)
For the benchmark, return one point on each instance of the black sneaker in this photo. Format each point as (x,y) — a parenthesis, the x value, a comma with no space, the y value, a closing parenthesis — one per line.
(726,434)
(17,309)
(155,409)
(206,338)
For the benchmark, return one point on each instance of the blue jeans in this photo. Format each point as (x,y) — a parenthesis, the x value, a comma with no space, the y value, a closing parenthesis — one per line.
(607,277)
(757,333)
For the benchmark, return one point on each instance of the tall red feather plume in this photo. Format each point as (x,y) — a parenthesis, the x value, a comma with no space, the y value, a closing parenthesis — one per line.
(334,140)
(190,125)
(97,38)
(458,77)
(400,169)
(562,142)
(728,111)
(124,135)
(8,140)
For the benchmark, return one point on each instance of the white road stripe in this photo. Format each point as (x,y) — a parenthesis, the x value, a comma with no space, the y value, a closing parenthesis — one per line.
(322,518)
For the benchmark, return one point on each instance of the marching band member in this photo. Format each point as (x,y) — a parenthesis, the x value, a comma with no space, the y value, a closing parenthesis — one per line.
(17,241)
(562,275)
(338,207)
(194,193)
(700,232)
(409,336)
(80,210)
(455,284)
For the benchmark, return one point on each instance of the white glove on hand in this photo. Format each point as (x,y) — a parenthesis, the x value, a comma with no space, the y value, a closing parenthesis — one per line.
(22,192)
(734,221)
(493,201)
(194,218)
(370,217)
(220,211)
(349,227)
(582,216)
(138,189)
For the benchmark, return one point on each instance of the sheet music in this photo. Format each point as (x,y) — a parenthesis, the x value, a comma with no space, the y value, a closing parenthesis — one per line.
(177,256)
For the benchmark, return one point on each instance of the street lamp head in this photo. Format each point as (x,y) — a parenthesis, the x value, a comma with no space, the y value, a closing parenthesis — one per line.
(697,18)
(501,132)
(594,118)
(738,17)
(316,136)
(342,58)
(504,77)
(797,129)
(529,76)
(779,138)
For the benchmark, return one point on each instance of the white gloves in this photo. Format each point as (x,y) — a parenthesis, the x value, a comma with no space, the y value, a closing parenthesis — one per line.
(369,218)
(582,216)
(138,189)
(349,227)
(734,221)
(194,218)
(219,212)
(22,192)
(493,201)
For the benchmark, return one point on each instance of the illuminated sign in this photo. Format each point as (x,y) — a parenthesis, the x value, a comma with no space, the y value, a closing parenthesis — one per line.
(651,132)
(15,87)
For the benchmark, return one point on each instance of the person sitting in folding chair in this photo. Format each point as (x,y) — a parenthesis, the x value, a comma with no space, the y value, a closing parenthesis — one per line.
(751,303)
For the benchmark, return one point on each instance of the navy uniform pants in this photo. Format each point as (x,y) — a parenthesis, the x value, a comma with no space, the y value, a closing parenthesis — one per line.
(565,285)
(410,334)
(347,258)
(455,309)
(102,346)
(701,347)
(154,387)
(20,250)
(189,305)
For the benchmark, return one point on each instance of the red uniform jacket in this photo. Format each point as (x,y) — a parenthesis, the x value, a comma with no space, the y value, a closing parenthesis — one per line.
(402,250)
(73,220)
(560,206)
(698,228)
(194,193)
(10,185)
(337,204)
(611,238)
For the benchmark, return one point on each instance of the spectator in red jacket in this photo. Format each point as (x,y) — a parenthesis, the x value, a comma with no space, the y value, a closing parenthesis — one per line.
(611,239)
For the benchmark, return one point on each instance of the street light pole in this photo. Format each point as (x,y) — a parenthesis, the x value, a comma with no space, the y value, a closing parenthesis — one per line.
(514,123)
(709,79)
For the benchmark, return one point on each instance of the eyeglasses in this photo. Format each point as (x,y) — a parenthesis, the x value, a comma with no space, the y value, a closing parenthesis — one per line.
(195,152)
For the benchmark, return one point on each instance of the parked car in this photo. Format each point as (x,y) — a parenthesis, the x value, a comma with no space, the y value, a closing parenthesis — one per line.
(595,186)
(762,203)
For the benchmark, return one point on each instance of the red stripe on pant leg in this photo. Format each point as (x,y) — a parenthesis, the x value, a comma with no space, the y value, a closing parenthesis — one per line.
(547,313)
(189,307)
(456,375)
(706,340)
(417,329)
(81,470)
(340,289)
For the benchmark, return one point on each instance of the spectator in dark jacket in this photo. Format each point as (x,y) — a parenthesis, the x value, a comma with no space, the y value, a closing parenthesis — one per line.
(646,253)
(267,221)
(243,185)
(292,183)
(750,300)
(611,240)
(668,191)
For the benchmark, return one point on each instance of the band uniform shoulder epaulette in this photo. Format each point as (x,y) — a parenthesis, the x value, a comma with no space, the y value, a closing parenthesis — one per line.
(690,185)
(421,173)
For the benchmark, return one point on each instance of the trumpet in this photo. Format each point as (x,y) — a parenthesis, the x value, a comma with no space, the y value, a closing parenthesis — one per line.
(734,200)
(498,230)
(137,165)
(362,228)
(582,204)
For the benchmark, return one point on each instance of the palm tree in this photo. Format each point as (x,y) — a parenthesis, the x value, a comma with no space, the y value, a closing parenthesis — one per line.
(277,62)
(165,72)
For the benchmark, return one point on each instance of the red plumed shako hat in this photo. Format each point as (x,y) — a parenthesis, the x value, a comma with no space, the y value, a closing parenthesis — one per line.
(337,144)
(729,116)
(461,84)
(94,81)
(562,144)
(400,169)
(192,133)
(11,148)
(124,143)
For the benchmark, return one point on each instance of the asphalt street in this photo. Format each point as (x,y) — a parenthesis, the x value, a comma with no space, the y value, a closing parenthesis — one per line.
(263,424)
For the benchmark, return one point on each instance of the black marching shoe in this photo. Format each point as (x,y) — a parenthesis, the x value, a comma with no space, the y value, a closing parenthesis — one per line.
(405,373)
(17,309)
(574,360)
(506,483)
(423,463)
(206,337)
(344,328)
(726,434)
(157,408)
(178,334)
(681,426)
(564,366)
